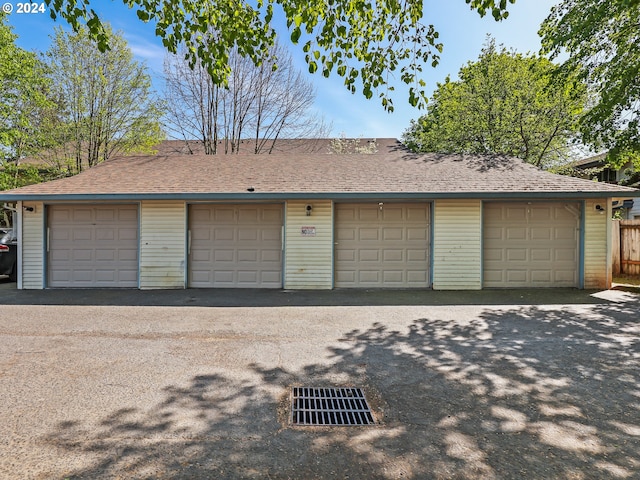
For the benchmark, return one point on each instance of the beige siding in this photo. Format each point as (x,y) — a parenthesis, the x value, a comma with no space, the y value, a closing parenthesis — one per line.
(457,245)
(33,242)
(597,232)
(162,244)
(309,257)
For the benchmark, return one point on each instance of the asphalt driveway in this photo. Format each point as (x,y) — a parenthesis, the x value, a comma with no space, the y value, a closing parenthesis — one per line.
(195,384)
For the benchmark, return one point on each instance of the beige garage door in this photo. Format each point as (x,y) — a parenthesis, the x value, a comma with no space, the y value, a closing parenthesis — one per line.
(531,245)
(235,246)
(386,247)
(92,246)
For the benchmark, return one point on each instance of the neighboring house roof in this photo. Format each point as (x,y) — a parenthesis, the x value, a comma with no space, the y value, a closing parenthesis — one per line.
(591,162)
(391,172)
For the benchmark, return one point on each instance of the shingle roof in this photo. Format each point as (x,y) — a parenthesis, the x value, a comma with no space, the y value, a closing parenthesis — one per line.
(391,172)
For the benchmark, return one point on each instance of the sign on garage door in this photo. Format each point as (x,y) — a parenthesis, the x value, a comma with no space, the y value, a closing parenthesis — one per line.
(92,246)
(531,244)
(235,246)
(382,247)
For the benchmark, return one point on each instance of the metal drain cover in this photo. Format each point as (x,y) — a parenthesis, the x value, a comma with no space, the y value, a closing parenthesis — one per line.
(329,406)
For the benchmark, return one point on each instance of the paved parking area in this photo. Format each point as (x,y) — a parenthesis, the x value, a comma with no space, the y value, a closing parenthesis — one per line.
(96,386)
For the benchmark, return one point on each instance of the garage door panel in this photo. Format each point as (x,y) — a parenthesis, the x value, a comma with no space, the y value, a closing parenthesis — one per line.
(393,276)
(93,246)
(541,214)
(107,276)
(224,278)
(128,234)
(346,255)
(129,255)
(367,213)
(541,233)
(81,235)
(414,255)
(541,255)
(247,256)
(493,233)
(271,256)
(106,234)
(369,234)
(392,214)
(539,247)
(566,234)
(223,215)
(249,234)
(378,248)
(393,234)
(519,233)
(371,277)
(516,255)
(494,254)
(271,234)
(541,277)
(417,234)
(83,276)
(417,215)
(106,215)
(76,255)
(346,234)
(108,255)
(222,234)
(369,255)
(392,255)
(248,216)
(416,277)
(565,255)
(238,245)
(516,276)
(78,214)
(219,255)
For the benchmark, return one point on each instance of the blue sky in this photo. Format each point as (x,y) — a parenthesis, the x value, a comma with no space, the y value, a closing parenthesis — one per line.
(462,32)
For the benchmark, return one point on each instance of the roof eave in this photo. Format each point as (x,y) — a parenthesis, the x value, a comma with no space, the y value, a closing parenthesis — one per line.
(257,196)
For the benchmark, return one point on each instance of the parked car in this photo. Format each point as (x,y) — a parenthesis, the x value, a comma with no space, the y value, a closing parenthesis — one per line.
(8,254)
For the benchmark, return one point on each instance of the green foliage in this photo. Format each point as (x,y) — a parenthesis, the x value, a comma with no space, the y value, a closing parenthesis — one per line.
(106,105)
(24,98)
(602,39)
(504,103)
(362,41)
(14,175)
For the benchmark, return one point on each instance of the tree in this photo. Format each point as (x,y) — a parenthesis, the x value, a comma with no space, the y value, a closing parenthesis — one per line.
(259,103)
(504,103)
(25,105)
(603,43)
(364,42)
(106,103)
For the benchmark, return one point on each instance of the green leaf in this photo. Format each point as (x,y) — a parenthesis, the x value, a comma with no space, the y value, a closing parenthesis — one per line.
(295,35)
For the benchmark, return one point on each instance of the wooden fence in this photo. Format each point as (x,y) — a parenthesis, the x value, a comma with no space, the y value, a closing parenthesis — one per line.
(626,247)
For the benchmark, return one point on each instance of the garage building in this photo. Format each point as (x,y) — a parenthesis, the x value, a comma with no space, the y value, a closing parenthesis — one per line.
(389,219)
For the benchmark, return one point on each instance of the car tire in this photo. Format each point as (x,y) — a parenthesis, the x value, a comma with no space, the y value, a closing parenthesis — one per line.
(13,276)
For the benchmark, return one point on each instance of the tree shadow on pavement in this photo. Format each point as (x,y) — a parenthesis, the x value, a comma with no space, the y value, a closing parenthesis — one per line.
(521,392)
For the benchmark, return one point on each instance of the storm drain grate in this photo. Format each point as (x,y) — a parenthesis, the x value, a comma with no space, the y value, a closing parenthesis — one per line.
(329,406)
